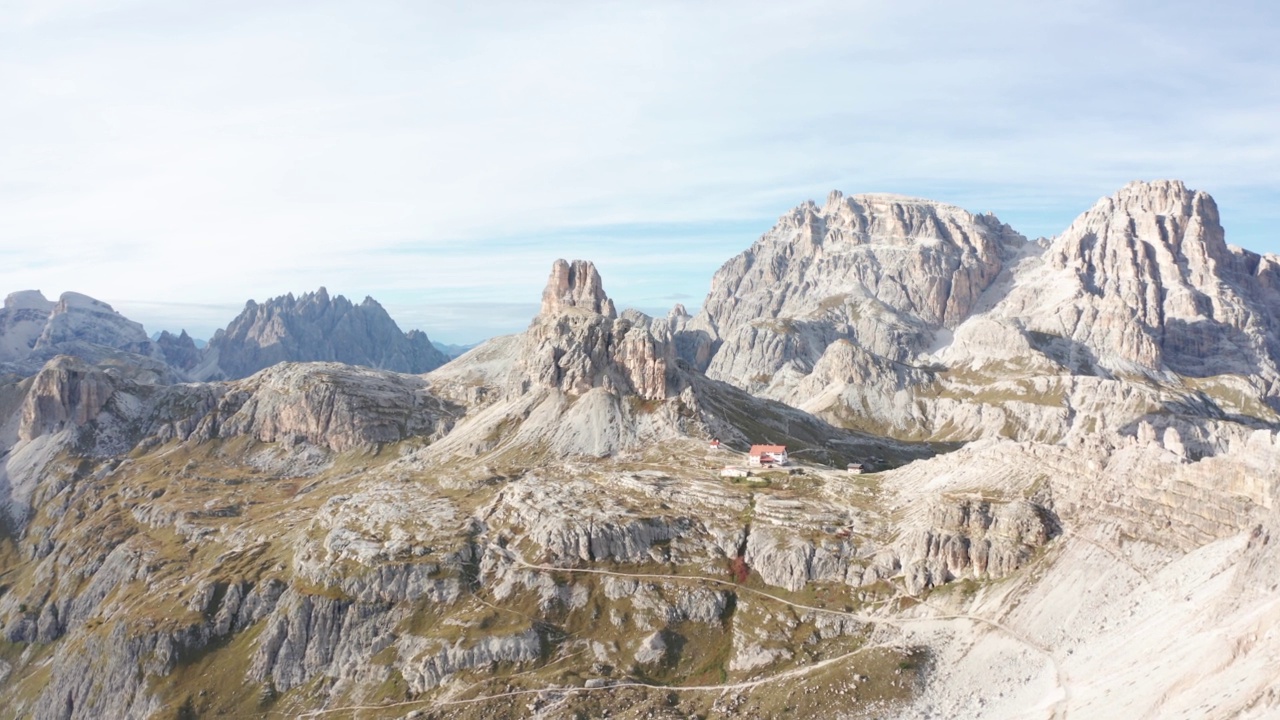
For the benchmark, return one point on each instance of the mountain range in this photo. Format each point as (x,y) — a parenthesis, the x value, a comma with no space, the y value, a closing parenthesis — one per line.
(1031,478)
(313,327)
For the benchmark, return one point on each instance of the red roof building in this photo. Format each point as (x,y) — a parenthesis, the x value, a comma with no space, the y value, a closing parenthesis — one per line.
(768,455)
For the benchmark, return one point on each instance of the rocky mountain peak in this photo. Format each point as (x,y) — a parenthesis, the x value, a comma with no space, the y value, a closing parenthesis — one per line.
(80,318)
(317,327)
(1159,220)
(28,300)
(21,321)
(887,272)
(576,285)
(79,300)
(1146,276)
(34,330)
(179,350)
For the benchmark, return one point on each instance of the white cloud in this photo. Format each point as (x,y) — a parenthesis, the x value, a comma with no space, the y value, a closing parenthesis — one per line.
(208,153)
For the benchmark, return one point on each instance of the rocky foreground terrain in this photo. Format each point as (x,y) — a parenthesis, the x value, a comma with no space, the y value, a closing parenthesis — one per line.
(1072,474)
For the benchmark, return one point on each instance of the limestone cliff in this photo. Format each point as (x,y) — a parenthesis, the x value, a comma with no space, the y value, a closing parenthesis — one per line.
(923,321)
(66,393)
(884,271)
(1145,279)
(21,322)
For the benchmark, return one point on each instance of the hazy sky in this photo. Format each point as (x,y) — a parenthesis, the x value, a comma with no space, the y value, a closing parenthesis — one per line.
(176,159)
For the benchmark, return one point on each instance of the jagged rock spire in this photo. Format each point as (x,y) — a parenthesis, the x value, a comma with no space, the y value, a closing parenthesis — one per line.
(578,342)
(576,285)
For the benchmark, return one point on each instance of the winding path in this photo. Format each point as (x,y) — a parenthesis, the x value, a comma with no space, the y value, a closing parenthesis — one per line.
(1059,711)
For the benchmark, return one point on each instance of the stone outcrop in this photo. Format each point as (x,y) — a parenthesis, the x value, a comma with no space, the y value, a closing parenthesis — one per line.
(589,534)
(315,327)
(339,407)
(576,285)
(428,669)
(307,635)
(67,392)
(971,538)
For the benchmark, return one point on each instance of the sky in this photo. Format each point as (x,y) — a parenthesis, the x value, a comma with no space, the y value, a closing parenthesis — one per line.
(176,159)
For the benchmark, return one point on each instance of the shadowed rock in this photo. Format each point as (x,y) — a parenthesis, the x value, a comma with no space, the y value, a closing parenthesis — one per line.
(315,327)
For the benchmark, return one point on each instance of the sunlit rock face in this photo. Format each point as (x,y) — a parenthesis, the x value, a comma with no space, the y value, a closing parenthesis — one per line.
(922,320)
(884,271)
(578,342)
(1146,278)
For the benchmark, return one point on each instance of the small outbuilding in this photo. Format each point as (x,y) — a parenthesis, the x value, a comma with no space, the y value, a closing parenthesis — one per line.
(855,468)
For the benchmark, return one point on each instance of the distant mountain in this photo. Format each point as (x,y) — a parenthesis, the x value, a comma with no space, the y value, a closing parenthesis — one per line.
(180,351)
(452,351)
(198,342)
(34,330)
(315,327)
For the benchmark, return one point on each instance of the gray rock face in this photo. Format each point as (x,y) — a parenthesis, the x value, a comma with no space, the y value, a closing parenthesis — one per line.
(308,635)
(335,406)
(653,649)
(576,285)
(591,534)
(80,318)
(21,322)
(315,327)
(179,351)
(428,669)
(971,538)
(883,271)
